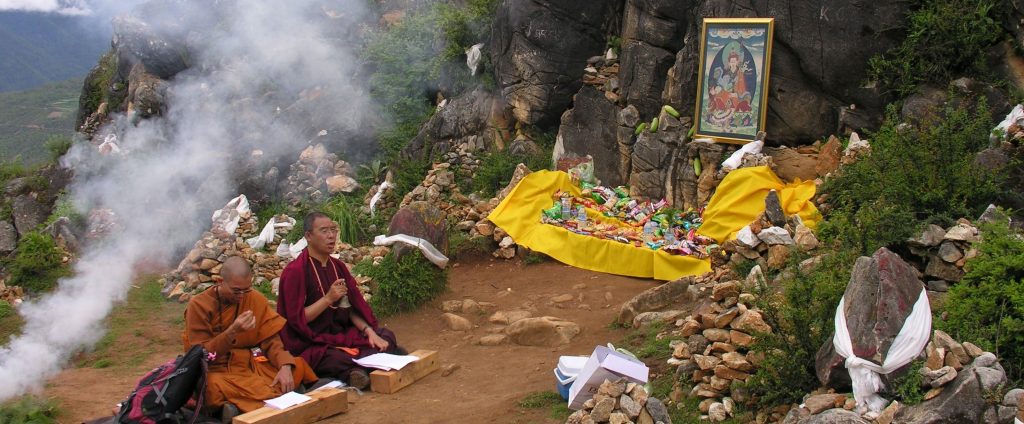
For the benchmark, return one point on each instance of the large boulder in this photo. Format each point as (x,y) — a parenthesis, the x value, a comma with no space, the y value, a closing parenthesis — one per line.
(539,50)
(653,299)
(881,294)
(652,33)
(137,42)
(28,212)
(835,416)
(423,220)
(542,331)
(819,62)
(962,401)
(8,238)
(477,117)
(589,128)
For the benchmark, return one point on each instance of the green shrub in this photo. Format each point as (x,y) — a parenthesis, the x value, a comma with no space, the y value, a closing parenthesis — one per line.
(987,306)
(6,309)
(801,316)
(945,39)
(29,410)
(460,245)
(57,146)
(908,388)
(913,176)
(101,88)
(403,284)
(37,266)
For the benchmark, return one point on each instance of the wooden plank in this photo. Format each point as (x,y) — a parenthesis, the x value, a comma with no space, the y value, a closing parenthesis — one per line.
(327,402)
(388,382)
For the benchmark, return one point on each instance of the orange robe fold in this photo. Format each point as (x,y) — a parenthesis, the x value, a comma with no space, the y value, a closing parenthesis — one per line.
(235,375)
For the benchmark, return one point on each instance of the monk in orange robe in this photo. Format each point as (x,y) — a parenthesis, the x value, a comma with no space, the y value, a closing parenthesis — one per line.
(239,328)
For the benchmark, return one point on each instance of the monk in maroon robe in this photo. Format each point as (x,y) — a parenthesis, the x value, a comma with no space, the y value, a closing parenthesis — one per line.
(329,321)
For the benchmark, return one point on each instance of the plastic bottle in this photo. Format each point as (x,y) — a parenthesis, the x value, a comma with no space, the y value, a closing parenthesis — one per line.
(566,208)
(670,236)
(581,214)
(648,232)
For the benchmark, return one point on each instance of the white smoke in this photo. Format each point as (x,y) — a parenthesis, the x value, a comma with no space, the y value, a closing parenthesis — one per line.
(68,7)
(265,75)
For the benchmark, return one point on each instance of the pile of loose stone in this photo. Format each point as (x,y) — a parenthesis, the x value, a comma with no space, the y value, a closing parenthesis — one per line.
(602,72)
(200,268)
(621,402)
(769,240)
(316,175)
(943,252)
(714,355)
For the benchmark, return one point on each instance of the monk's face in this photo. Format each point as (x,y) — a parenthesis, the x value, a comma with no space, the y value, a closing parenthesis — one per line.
(323,237)
(235,288)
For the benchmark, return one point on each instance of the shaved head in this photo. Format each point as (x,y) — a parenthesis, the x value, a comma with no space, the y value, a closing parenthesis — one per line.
(235,267)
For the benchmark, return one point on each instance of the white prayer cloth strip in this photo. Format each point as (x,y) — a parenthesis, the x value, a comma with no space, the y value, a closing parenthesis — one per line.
(864,374)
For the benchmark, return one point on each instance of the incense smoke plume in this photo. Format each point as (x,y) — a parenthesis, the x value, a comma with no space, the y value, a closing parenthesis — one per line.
(265,75)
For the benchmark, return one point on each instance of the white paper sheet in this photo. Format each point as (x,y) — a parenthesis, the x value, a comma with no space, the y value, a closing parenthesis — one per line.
(386,361)
(287,400)
(332,385)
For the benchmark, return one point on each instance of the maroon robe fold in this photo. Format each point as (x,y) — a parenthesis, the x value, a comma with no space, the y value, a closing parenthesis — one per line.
(332,328)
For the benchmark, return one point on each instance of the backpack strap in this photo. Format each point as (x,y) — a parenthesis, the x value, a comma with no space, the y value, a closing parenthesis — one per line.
(201,388)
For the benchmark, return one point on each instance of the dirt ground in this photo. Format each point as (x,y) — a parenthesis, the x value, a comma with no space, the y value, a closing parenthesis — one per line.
(487,386)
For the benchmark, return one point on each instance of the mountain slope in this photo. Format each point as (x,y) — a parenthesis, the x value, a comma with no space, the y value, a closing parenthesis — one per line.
(40,48)
(29,118)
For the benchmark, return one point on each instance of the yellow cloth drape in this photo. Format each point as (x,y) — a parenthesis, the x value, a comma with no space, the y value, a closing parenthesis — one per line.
(740,198)
(519,215)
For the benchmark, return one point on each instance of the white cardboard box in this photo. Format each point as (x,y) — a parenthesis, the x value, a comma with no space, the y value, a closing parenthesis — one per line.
(604,364)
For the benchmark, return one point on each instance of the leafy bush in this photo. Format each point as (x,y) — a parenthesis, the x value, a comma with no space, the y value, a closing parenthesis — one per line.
(29,410)
(987,306)
(801,316)
(6,309)
(37,263)
(908,388)
(403,284)
(945,39)
(913,176)
(57,146)
(460,245)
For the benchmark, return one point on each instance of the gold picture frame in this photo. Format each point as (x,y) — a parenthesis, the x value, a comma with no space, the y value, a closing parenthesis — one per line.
(732,82)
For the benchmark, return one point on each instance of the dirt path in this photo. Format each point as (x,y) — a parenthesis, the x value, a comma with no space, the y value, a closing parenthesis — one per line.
(488,384)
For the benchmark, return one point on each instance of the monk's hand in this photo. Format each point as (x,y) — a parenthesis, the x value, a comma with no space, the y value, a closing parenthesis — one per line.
(338,290)
(284,379)
(245,322)
(375,340)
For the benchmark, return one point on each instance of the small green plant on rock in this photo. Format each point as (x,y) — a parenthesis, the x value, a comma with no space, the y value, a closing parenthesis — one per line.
(37,263)
(987,306)
(909,388)
(403,284)
(29,410)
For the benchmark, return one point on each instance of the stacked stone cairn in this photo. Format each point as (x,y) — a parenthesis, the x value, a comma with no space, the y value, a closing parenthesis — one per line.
(771,238)
(621,402)
(316,175)
(714,356)
(200,268)
(942,253)
(602,72)
(466,213)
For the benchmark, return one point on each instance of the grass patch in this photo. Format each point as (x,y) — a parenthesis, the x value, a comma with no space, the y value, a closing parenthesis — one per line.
(30,120)
(496,168)
(10,322)
(558,409)
(103,363)
(461,245)
(403,284)
(266,290)
(533,258)
(30,410)
(645,345)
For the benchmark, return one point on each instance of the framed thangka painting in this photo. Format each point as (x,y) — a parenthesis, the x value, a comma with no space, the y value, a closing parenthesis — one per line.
(735,58)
